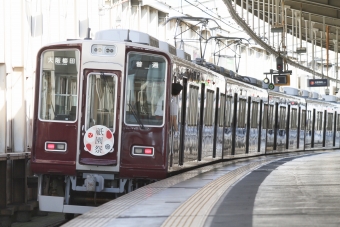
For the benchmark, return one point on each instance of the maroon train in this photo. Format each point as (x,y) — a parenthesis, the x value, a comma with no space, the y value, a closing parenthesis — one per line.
(125,109)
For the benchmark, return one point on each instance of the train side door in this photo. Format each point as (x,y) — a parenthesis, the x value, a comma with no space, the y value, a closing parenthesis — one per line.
(99,122)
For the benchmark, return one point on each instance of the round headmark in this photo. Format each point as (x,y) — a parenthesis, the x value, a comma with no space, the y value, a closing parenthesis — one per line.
(98,140)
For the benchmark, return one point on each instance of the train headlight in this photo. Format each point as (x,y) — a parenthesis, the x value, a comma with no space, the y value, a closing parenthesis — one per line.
(55,146)
(60,146)
(138,150)
(142,151)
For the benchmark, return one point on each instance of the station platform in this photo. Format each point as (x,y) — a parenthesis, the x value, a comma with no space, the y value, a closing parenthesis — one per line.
(293,189)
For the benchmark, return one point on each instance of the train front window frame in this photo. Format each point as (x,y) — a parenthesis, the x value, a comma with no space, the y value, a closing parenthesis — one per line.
(59,82)
(145,101)
(101,100)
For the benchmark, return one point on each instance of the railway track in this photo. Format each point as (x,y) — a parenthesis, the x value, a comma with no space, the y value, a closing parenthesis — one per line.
(49,220)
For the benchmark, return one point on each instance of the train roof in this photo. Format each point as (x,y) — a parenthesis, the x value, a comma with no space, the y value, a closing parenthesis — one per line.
(140,39)
(124,35)
(284,97)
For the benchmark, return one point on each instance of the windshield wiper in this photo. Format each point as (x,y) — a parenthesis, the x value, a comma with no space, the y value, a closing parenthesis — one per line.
(135,114)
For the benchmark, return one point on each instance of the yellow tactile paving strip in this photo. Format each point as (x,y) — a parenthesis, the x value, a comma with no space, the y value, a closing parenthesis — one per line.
(103,214)
(195,210)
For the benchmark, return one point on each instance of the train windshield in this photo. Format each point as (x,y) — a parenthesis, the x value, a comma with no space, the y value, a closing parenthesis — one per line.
(59,85)
(145,89)
(101,100)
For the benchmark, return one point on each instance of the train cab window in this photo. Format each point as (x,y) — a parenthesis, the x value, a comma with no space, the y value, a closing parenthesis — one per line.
(330,122)
(282,117)
(254,115)
(145,89)
(221,110)
(242,113)
(59,85)
(293,119)
(228,117)
(101,100)
(208,116)
(193,105)
(303,120)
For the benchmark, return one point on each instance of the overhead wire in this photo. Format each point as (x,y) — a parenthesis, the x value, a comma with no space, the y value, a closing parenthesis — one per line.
(221,20)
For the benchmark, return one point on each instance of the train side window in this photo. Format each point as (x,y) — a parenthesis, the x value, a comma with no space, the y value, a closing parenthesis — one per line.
(242,113)
(330,122)
(309,120)
(270,113)
(208,116)
(303,120)
(282,123)
(145,89)
(293,120)
(59,85)
(338,122)
(228,117)
(193,105)
(265,116)
(319,121)
(254,113)
(221,110)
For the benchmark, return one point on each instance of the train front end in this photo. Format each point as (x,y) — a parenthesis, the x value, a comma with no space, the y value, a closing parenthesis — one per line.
(99,121)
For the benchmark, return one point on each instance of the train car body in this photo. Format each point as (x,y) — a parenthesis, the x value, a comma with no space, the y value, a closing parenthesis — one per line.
(321,123)
(104,118)
(196,137)
(244,126)
(126,109)
(287,129)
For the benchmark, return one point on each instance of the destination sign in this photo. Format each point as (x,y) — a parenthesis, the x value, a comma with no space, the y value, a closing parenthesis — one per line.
(317,83)
(281,80)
